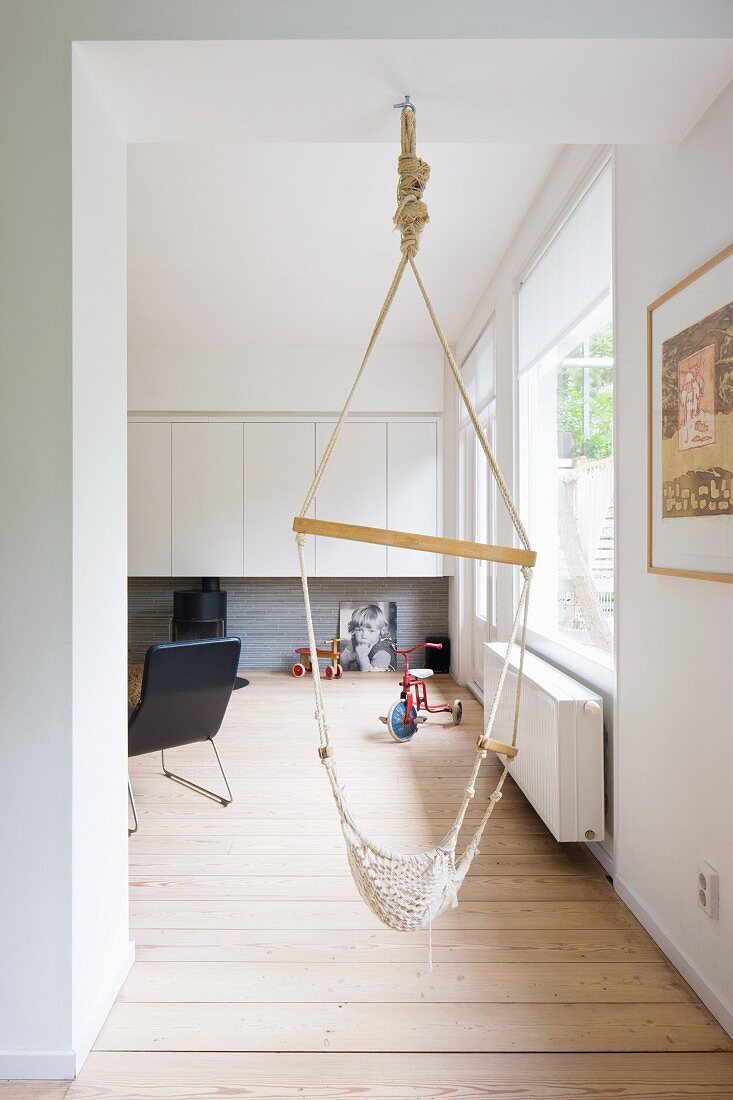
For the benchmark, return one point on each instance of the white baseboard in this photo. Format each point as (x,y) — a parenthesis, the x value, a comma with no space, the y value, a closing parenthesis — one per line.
(64,1065)
(476,691)
(721,1010)
(603,856)
(37,1065)
(86,1040)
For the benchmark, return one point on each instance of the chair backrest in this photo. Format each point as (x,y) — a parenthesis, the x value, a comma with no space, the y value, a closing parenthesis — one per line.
(185,692)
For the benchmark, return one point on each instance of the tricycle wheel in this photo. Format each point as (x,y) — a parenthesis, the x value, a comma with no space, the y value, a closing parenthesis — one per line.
(400,729)
(457,712)
(298,670)
(339,672)
(329,672)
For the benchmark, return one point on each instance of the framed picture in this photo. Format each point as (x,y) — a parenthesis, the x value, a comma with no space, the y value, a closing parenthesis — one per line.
(366,630)
(690,434)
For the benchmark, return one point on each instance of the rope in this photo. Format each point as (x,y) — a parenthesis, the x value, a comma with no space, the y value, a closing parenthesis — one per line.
(347,406)
(407,891)
(485,446)
(411,215)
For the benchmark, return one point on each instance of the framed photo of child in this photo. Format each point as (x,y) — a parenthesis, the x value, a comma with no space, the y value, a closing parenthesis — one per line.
(367,630)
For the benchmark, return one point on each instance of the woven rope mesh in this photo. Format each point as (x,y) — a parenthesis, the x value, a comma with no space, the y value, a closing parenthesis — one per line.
(406,892)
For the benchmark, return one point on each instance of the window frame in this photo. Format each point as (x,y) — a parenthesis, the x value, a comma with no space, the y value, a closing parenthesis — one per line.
(466,491)
(586,662)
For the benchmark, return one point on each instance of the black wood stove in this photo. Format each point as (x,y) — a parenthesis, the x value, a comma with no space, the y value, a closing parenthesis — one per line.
(201,613)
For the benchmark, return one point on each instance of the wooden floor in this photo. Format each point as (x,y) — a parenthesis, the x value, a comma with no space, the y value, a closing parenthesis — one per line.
(261,973)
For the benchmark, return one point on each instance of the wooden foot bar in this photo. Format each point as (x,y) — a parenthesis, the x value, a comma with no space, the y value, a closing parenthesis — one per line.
(488,744)
(507,555)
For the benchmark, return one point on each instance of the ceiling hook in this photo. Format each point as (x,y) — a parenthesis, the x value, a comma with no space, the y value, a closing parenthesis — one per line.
(406,104)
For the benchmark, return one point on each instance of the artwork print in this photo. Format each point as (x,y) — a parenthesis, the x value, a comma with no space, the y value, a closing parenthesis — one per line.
(366,630)
(697,419)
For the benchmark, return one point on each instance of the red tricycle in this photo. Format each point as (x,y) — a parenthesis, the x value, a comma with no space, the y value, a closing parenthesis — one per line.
(403,716)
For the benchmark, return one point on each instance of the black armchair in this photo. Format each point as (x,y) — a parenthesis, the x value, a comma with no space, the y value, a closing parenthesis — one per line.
(186,688)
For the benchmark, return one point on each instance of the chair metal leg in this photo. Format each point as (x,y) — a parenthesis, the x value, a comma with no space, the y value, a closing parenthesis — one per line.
(195,787)
(134,810)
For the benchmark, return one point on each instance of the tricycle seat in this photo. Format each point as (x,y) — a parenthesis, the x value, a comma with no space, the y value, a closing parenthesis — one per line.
(421,673)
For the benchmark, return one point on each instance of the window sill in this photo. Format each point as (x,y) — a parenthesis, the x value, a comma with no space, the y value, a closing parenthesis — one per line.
(591,666)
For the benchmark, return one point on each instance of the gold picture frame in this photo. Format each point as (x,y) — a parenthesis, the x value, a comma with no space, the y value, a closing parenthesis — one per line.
(689,367)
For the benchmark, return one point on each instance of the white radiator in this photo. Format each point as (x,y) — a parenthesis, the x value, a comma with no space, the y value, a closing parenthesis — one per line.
(559,765)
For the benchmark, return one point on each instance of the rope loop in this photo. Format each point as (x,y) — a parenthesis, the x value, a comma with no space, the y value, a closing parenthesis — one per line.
(527,572)
(411,215)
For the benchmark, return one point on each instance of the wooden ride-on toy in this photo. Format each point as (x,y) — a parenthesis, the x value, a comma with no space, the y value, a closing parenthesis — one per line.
(333,670)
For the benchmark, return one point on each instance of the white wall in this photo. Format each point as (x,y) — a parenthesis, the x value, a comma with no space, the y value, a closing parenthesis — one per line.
(101,952)
(311,378)
(674,742)
(64,942)
(35,558)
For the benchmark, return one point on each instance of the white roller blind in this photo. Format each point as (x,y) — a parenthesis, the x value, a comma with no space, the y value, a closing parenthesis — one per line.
(571,276)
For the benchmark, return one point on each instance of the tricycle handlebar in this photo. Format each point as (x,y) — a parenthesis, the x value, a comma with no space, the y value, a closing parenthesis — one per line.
(422,645)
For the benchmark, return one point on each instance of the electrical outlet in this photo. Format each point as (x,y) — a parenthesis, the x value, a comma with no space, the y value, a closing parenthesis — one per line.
(708,886)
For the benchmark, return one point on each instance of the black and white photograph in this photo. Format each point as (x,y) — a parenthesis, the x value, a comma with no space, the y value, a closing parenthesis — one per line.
(367,631)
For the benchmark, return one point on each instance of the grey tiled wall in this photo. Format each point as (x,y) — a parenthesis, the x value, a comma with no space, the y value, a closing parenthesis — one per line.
(267,613)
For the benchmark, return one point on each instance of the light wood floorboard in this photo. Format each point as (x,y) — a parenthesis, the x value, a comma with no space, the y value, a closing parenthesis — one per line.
(196,1076)
(261,973)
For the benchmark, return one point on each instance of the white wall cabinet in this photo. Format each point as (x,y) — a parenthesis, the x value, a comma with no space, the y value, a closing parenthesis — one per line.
(208,500)
(353,490)
(217,498)
(279,464)
(149,500)
(412,494)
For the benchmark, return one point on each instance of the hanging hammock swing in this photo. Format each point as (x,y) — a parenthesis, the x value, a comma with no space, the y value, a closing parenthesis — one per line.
(408,891)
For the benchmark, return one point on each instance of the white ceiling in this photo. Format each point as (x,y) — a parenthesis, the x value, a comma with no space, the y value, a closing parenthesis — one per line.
(262,174)
(476,90)
(256,244)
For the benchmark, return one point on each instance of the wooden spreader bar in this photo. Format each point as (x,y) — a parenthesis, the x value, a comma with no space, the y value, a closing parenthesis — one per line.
(507,555)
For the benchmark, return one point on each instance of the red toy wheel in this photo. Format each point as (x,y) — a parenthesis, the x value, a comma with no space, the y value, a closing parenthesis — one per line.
(298,670)
(339,672)
(329,672)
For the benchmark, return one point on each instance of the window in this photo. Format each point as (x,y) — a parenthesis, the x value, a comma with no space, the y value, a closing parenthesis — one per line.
(477,497)
(481,527)
(566,372)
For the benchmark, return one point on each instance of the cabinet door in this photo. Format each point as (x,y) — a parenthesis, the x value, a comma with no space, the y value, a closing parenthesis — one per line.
(353,490)
(412,494)
(149,500)
(208,500)
(279,463)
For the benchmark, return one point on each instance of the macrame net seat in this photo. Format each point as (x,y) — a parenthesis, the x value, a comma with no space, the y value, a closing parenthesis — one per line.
(405,892)
(408,891)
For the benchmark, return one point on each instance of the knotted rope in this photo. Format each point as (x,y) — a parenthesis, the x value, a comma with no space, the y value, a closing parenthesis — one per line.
(411,215)
(406,891)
